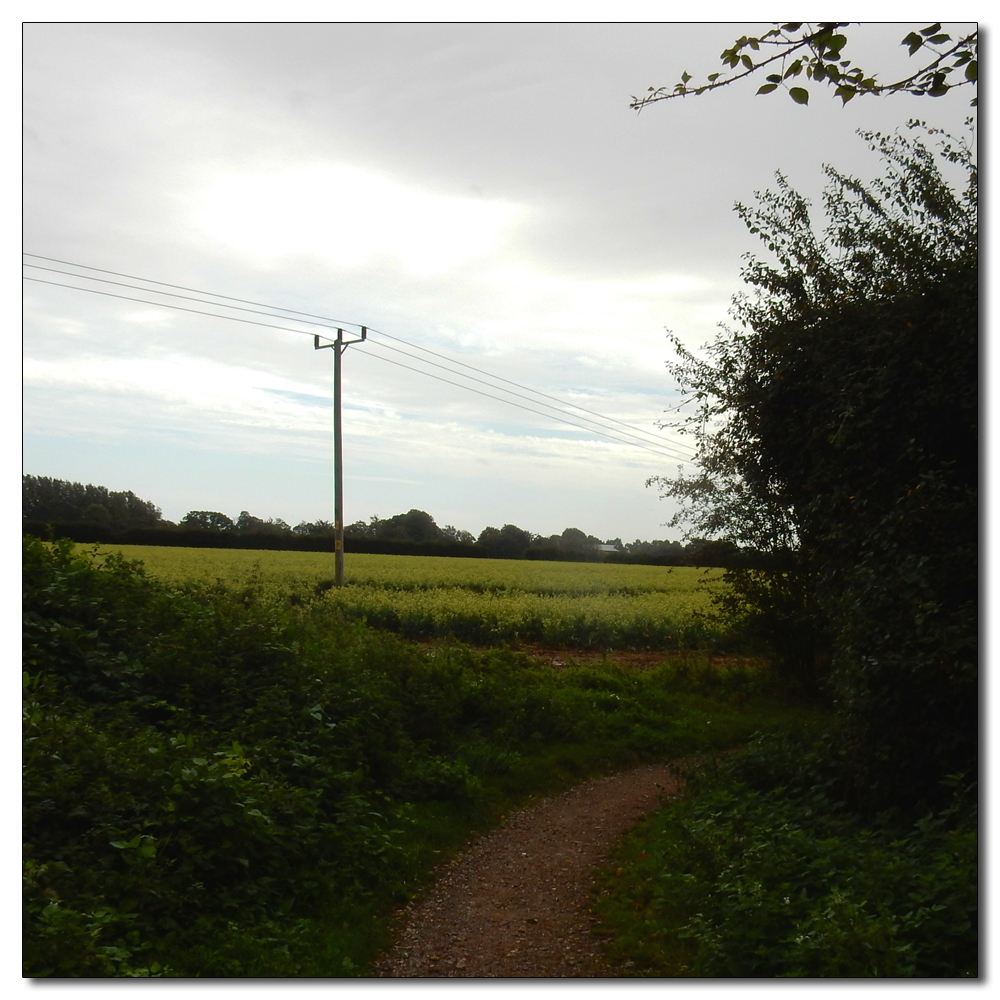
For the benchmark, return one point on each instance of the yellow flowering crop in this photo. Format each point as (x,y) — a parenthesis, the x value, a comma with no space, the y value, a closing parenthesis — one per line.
(477,600)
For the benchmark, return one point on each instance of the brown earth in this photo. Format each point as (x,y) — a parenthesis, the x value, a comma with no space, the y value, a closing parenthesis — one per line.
(515,903)
(635,659)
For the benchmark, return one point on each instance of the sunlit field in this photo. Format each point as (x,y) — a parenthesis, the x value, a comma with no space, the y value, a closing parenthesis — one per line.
(485,601)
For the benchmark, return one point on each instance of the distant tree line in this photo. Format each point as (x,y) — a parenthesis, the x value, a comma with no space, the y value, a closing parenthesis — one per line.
(45,499)
(54,507)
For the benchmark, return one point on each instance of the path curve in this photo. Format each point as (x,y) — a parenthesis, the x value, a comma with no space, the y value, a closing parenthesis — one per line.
(515,904)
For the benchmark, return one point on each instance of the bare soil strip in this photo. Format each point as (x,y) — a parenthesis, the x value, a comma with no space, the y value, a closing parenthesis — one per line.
(515,904)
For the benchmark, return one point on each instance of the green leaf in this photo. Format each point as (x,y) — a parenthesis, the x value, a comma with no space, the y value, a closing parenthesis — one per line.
(767,88)
(799,94)
(913,40)
(794,69)
(685,77)
(939,39)
(747,61)
(972,71)
(931,30)
(845,93)
(774,78)
(713,77)
(791,26)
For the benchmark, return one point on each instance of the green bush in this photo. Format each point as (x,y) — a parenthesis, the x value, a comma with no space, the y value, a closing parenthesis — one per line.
(143,811)
(763,872)
(205,768)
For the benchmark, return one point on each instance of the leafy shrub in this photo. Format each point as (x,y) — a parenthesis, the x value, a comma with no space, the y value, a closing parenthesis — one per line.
(208,767)
(143,811)
(763,872)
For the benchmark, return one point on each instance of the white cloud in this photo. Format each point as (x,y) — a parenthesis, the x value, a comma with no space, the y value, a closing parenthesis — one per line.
(350,217)
(150,317)
(163,393)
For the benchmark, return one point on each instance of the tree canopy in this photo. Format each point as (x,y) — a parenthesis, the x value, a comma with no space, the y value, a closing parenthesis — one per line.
(207,520)
(837,424)
(47,499)
(790,53)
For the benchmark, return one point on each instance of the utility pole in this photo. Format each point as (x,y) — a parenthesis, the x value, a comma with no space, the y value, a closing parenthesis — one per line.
(338,346)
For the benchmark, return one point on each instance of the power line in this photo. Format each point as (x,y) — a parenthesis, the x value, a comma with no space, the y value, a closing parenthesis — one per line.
(183,288)
(190,298)
(500,378)
(175,295)
(591,430)
(311,321)
(167,305)
(640,442)
(330,320)
(324,320)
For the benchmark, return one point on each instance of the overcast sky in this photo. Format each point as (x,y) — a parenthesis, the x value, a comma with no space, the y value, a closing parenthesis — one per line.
(479,190)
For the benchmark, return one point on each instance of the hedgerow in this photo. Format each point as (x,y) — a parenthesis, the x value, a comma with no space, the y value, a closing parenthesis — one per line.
(762,871)
(221,783)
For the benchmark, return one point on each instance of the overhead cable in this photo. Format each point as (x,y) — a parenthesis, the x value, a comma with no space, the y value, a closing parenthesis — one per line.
(313,319)
(370,342)
(168,305)
(184,288)
(500,378)
(175,295)
(590,430)
(323,320)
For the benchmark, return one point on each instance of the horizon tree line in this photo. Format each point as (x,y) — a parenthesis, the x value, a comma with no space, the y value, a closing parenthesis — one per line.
(57,501)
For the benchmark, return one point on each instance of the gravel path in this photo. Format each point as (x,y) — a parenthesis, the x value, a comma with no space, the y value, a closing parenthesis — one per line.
(515,904)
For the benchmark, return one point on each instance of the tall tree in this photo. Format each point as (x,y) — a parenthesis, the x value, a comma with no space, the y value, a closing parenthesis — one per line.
(837,424)
(508,542)
(47,499)
(207,520)
(413,526)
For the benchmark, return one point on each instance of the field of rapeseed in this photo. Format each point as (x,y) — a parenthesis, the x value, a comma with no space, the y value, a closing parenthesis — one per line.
(482,601)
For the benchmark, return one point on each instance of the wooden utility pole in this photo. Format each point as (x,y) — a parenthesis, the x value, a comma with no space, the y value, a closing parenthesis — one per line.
(338,346)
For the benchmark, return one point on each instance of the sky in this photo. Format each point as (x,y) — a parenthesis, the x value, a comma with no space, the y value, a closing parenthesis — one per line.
(479,190)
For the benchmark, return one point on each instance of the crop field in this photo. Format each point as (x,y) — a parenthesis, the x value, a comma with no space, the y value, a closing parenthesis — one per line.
(482,601)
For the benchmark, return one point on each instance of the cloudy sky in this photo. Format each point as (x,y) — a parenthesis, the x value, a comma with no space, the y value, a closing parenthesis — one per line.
(479,190)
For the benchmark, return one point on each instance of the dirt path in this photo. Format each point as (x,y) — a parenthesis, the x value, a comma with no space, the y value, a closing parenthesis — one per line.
(515,904)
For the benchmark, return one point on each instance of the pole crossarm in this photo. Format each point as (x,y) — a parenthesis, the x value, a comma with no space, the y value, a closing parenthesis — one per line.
(339,346)
(339,342)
